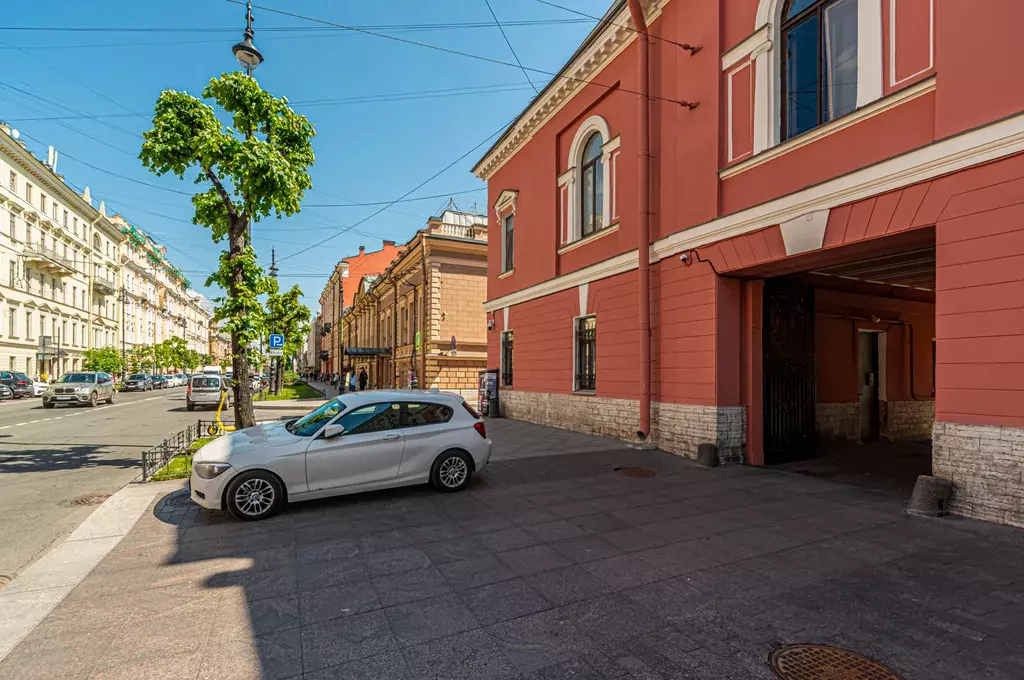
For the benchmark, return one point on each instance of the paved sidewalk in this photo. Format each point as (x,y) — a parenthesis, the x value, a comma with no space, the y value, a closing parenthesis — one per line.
(549,567)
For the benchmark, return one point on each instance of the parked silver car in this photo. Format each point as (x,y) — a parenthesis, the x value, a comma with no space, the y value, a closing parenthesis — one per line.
(80,388)
(205,390)
(355,442)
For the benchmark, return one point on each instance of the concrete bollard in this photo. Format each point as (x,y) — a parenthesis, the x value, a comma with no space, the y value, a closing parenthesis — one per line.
(707,455)
(931,497)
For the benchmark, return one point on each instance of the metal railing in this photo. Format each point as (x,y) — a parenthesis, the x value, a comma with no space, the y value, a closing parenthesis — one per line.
(163,453)
(37,252)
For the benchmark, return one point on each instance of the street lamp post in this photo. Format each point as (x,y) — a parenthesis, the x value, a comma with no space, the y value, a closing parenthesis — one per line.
(249,58)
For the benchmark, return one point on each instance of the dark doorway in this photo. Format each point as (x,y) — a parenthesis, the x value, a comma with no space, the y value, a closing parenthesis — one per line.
(867,370)
(789,372)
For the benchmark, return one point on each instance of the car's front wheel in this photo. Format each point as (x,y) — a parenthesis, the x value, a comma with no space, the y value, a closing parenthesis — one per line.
(93,400)
(48,404)
(451,471)
(110,399)
(254,495)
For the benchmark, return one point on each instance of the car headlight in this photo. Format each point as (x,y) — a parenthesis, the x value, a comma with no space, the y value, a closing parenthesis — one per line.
(210,470)
(82,390)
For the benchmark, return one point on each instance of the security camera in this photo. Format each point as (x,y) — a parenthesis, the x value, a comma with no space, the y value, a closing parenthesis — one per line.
(684,257)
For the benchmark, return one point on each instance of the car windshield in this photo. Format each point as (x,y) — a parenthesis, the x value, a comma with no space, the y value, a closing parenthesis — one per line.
(309,424)
(137,376)
(78,378)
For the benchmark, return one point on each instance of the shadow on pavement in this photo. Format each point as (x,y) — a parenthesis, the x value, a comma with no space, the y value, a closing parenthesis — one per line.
(21,461)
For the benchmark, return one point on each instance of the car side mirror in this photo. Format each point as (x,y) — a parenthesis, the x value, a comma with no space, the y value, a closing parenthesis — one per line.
(334,430)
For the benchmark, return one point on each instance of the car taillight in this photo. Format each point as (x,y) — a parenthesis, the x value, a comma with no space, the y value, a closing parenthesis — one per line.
(479,427)
(189,390)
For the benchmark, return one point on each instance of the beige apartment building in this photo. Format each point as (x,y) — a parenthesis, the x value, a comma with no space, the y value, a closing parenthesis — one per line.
(66,269)
(421,322)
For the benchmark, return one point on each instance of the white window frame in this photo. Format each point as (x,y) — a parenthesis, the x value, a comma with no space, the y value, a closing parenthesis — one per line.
(505,207)
(759,48)
(570,185)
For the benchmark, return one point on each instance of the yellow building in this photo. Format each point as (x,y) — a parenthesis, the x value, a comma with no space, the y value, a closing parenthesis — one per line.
(424,315)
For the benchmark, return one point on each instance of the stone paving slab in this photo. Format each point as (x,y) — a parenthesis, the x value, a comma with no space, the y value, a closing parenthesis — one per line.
(548,567)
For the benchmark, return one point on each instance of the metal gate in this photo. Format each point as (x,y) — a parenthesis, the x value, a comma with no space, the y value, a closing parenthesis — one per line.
(789,375)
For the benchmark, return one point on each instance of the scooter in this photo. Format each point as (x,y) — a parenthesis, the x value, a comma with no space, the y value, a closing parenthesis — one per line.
(218,427)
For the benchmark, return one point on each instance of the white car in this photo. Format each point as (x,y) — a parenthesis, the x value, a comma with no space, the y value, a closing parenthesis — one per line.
(38,387)
(355,442)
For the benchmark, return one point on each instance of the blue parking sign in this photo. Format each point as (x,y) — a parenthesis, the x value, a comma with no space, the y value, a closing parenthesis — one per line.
(276,341)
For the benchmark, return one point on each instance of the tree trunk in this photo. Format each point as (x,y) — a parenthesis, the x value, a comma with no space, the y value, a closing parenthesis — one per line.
(242,385)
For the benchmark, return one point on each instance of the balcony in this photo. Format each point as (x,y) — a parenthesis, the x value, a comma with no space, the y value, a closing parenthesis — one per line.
(46,259)
(104,284)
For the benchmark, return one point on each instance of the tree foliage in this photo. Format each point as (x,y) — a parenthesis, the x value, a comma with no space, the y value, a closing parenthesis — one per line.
(288,316)
(255,166)
(104,359)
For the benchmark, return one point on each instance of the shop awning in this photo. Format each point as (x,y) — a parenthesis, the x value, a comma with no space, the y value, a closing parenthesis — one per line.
(367,351)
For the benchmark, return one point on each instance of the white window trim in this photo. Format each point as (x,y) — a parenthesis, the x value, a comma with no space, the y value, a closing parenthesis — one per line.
(504,208)
(570,182)
(768,66)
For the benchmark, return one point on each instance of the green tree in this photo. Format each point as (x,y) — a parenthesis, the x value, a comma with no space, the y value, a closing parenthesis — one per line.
(288,316)
(192,360)
(255,167)
(105,359)
(140,359)
(174,350)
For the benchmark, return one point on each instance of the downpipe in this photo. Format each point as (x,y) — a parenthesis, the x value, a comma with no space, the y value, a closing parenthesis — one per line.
(643,213)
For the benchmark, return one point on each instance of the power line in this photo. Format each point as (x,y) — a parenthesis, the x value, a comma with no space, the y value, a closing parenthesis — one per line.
(367,98)
(507,42)
(403,200)
(690,48)
(405,195)
(468,55)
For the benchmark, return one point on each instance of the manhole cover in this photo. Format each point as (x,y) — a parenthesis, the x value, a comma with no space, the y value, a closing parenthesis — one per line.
(91,499)
(4,580)
(182,499)
(821,662)
(635,472)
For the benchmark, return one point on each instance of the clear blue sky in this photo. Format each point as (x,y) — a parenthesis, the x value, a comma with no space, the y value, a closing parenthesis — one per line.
(366,151)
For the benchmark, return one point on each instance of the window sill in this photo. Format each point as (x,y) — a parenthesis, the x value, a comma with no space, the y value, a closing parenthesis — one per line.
(506,274)
(585,393)
(869,110)
(600,233)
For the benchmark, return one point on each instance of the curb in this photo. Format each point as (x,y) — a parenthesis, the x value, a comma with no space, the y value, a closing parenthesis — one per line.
(26,600)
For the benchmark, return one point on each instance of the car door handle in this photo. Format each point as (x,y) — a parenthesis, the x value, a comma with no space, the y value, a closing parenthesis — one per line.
(391,437)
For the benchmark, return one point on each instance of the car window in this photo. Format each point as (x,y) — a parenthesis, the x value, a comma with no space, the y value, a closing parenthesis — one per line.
(137,376)
(309,424)
(206,381)
(426,414)
(372,418)
(5,376)
(78,378)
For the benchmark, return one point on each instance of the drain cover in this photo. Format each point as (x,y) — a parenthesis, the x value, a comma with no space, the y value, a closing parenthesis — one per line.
(181,499)
(635,472)
(821,662)
(91,499)
(4,580)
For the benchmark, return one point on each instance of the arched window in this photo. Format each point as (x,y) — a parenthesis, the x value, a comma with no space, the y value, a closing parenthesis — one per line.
(97,243)
(819,63)
(592,191)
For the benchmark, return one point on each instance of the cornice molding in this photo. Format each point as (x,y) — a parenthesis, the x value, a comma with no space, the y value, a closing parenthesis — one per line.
(575,75)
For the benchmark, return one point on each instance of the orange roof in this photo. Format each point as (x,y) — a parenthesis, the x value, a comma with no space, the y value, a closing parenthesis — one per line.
(365,264)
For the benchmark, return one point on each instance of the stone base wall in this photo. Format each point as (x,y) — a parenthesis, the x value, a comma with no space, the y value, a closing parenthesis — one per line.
(677,428)
(908,419)
(838,421)
(986,465)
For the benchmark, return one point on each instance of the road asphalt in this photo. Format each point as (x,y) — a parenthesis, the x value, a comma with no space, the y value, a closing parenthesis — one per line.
(50,457)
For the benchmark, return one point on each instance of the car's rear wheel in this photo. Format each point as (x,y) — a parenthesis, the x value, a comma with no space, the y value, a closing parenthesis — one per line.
(254,495)
(190,407)
(451,471)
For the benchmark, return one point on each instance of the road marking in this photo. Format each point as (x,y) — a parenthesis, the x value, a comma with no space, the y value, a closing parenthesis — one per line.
(80,413)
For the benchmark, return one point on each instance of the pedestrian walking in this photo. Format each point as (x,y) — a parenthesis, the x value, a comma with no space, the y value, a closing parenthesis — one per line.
(352,380)
(362,379)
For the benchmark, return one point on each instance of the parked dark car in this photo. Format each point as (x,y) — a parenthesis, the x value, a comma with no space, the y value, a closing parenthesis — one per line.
(19,386)
(137,382)
(161,382)
(5,392)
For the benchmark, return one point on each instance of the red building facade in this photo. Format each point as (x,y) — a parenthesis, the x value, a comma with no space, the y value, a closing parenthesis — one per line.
(836,242)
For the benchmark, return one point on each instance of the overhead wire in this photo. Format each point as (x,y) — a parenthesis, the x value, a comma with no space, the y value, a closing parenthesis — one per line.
(405,195)
(509,43)
(468,55)
(691,48)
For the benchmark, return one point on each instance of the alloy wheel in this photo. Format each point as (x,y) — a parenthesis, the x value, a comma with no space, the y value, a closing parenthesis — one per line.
(453,472)
(254,497)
